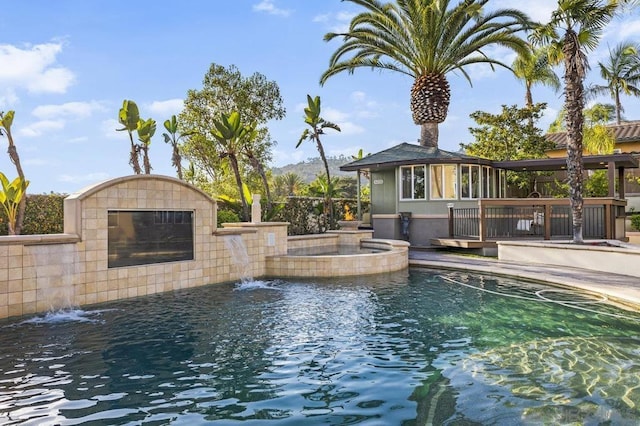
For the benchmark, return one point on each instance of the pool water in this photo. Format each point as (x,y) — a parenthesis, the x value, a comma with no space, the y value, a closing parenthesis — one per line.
(418,347)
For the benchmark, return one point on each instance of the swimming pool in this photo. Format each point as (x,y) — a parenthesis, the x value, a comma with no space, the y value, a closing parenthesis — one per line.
(417,347)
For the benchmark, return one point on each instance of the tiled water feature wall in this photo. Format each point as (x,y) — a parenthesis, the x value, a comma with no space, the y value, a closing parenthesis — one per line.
(43,272)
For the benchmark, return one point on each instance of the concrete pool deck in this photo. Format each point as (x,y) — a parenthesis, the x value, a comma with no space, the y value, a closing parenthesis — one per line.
(619,288)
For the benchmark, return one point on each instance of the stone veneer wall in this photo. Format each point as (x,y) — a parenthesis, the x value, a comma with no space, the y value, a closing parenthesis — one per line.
(40,272)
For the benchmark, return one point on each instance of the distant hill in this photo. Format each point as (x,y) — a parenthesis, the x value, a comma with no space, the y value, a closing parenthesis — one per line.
(308,170)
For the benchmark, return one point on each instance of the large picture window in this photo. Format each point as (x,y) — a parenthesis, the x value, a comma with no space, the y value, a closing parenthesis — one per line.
(413,183)
(149,236)
(444,181)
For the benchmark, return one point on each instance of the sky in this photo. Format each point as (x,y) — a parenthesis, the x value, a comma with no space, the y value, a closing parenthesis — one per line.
(67,65)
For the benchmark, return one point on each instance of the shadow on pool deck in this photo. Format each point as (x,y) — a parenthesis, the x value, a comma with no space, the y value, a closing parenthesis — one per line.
(623,289)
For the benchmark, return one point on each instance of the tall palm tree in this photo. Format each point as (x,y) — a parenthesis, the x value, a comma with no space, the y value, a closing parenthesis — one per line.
(622,74)
(535,68)
(426,40)
(317,125)
(230,133)
(574,29)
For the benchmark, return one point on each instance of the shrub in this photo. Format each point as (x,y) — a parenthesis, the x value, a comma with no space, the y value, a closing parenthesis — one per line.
(227,216)
(635,222)
(44,214)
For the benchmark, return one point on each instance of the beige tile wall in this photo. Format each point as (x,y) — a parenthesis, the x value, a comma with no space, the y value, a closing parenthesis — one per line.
(38,273)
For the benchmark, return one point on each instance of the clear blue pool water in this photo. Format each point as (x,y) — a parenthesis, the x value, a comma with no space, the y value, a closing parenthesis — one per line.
(419,347)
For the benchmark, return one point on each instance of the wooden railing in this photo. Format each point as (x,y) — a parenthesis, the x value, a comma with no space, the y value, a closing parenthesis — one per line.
(541,218)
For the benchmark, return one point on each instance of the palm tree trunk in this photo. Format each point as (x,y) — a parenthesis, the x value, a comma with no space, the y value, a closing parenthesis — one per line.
(176,159)
(328,201)
(133,157)
(574,103)
(236,172)
(147,163)
(618,108)
(429,134)
(263,176)
(528,98)
(22,205)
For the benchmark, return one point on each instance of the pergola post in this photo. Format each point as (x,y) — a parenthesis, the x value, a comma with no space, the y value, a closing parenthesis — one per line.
(611,175)
(621,191)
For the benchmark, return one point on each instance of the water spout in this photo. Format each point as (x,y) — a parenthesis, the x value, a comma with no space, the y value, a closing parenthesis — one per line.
(239,257)
(54,268)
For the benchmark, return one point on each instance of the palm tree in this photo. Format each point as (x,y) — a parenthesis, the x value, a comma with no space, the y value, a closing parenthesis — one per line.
(256,152)
(426,40)
(129,116)
(622,74)
(535,68)
(318,124)
(230,134)
(289,184)
(146,130)
(574,29)
(172,138)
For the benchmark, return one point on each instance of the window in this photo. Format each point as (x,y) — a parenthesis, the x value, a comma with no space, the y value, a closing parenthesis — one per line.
(149,236)
(412,183)
(444,181)
(469,181)
(488,189)
(502,183)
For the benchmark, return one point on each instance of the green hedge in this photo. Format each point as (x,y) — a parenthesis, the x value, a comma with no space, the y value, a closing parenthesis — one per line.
(43,215)
(310,215)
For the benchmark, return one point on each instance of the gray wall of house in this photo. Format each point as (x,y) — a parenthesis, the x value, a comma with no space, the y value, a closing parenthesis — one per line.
(421,230)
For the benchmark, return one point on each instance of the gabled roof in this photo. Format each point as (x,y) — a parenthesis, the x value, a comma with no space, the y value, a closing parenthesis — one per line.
(408,154)
(628,131)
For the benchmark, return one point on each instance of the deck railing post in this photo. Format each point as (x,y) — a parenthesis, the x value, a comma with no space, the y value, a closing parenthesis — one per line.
(608,218)
(547,221)
(482,229)
(450,209)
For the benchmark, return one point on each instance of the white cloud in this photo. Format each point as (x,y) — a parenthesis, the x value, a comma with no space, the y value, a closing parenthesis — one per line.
(108,130)
(269,7)
(34,69)
(626,30)
(166,109)
(365,108)
(281,158)
(89,177)
(35,162)
(334,115)
(539,10)
(349,128)
(338,23)
(70,110)
(7,98)
(80,139)
(41,127)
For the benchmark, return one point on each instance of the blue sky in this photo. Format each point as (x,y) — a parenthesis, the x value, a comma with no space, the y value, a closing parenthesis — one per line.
(66,66)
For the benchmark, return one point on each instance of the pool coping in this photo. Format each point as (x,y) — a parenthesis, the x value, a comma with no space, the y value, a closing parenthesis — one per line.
(623,290)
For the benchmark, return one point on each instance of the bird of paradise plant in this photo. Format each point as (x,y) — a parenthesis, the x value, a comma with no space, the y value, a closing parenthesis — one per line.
(10,196)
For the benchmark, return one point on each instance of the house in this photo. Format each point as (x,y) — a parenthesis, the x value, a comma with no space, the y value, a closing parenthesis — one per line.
(427,195)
